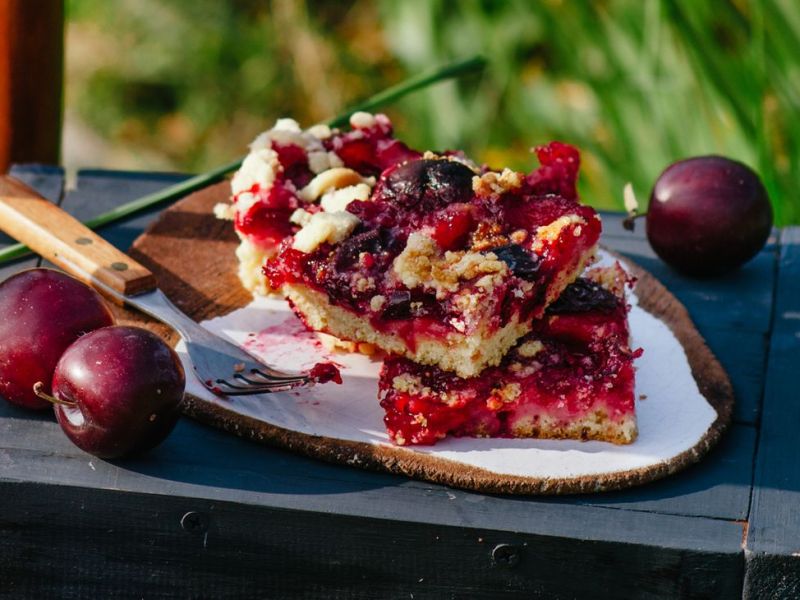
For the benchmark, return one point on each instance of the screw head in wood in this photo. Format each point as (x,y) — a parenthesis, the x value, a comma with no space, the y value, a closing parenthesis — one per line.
(506,555)
(194,522)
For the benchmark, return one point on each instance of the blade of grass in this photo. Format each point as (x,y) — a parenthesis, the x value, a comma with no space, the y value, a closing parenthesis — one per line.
(173,192)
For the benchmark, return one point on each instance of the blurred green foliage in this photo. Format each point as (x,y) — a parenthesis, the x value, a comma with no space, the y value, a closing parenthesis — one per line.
(635,84)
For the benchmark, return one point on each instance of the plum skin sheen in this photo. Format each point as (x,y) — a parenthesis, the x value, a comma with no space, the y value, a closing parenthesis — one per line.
(708,215)
(119,390)
(43,312)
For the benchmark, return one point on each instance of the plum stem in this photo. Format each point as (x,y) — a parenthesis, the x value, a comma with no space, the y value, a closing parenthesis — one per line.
(631,207)
(38,389)
(629,222)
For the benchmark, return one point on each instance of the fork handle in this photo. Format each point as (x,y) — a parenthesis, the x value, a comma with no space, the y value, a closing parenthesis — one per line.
(60,238)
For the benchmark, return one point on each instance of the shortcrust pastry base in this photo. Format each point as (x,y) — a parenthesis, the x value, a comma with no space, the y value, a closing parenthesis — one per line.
(251,261)
(466,355)
(594,425)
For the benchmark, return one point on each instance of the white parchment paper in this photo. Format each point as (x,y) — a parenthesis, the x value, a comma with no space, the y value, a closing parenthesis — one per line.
(672,415)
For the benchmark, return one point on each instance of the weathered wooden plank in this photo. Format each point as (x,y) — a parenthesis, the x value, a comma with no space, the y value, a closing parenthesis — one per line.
(773,540)
(718,487)
(98,191)
(109,544)
(743,354)
(211,463)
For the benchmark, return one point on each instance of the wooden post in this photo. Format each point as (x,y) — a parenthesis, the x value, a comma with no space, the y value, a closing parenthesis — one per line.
(31,78)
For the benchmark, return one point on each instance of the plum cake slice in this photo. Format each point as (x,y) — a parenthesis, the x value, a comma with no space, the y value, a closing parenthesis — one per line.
(571,377)
(444,262)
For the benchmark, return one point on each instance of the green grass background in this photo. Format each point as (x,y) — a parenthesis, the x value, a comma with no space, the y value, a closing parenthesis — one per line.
(635,84)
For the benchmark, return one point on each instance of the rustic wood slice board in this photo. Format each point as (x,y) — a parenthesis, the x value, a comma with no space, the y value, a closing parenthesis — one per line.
(192,255)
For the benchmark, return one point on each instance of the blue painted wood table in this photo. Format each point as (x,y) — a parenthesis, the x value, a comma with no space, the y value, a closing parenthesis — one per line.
(209,515)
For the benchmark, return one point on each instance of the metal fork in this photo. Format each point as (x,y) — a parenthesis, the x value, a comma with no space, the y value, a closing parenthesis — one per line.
(221,366)
(211,355)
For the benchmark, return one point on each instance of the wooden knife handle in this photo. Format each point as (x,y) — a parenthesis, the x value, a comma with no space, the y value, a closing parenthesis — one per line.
(65,241)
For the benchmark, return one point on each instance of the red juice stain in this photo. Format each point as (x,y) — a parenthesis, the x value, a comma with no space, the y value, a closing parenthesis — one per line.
(290,345)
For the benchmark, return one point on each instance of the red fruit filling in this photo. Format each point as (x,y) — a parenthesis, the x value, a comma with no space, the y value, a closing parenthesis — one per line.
(324,372)
(370,150)
(558,172)
(576,361)
(452,226)
(266,223)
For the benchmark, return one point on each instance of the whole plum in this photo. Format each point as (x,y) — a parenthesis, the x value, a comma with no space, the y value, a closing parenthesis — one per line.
(708,215)
(42,311)
(117,391)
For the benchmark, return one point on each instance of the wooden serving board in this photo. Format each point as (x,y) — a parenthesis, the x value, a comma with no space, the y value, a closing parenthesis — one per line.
(192,255)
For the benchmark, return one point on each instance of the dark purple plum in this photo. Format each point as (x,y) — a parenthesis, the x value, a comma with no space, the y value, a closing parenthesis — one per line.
(42,312)
(118,391)
(398,305)
(427,184)
(584,295)
(708,215)
(524,265)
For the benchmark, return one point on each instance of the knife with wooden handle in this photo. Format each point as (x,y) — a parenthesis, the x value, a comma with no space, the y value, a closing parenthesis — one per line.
(63,240)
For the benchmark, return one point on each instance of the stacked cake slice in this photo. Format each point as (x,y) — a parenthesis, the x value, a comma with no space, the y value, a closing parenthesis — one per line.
(454,270)
(570,377)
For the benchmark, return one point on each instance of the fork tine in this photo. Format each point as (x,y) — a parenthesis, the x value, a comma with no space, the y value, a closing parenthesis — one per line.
(241,377)
(262,383)
(231,389)
(258,385)
(270,377)
(234,386)
(252,391)
(270,373)
(288,379)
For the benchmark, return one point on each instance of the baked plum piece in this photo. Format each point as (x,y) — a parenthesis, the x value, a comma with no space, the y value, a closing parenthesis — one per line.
(444,263)
(571,377)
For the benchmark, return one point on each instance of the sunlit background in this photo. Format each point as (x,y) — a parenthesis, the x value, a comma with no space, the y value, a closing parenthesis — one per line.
(184,85)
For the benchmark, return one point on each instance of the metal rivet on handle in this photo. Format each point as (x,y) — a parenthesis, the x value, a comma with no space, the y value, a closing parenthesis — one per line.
(119,266)
(506,555)
(83,241)
(194,522)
